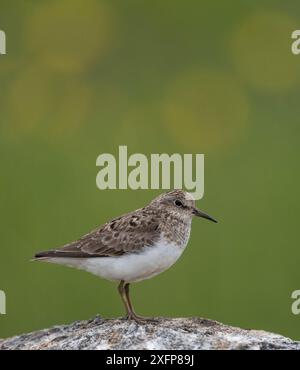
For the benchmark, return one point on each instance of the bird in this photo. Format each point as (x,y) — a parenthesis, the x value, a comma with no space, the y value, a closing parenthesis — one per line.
(135,246)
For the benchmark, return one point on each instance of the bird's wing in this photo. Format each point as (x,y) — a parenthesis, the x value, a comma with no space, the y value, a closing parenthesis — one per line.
(128,233)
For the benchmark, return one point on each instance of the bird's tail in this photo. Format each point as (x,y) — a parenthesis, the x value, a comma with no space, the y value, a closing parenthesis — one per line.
(41,256)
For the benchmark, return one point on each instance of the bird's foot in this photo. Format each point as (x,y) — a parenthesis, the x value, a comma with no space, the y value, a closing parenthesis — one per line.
(141,319)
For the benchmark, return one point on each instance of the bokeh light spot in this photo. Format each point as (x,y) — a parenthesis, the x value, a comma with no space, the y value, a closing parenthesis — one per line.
(205,109)
(261,50)
(39,102)
(29,100)
(69,36)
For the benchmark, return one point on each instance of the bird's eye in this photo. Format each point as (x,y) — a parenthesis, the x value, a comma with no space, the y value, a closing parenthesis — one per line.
(178,203)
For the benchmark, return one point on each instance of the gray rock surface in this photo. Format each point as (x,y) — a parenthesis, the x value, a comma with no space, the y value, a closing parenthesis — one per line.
(179,333)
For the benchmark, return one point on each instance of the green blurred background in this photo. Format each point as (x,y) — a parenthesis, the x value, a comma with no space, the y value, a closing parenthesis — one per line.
(82,77)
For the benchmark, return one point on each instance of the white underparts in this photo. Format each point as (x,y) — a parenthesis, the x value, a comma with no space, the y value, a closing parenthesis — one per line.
(131,267)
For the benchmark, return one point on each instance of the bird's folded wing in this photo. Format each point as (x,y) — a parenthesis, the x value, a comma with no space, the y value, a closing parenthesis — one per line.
(126,234)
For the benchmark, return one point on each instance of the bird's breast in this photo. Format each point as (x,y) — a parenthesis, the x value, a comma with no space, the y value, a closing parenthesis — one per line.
(177,234)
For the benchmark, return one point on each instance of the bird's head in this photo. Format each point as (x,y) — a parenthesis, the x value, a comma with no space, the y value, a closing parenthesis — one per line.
(180,202)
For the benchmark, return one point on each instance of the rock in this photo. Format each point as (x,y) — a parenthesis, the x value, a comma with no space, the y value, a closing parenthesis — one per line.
(179,334)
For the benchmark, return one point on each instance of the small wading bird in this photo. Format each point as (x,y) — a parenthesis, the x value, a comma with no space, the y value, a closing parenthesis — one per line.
(135,246)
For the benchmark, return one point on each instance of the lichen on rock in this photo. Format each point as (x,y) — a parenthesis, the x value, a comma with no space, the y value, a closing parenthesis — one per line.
(164,334)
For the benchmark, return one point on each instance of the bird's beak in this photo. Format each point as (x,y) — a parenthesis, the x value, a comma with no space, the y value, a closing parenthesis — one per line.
(198,213)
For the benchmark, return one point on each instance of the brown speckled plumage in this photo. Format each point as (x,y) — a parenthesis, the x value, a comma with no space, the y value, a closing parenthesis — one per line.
(133,231)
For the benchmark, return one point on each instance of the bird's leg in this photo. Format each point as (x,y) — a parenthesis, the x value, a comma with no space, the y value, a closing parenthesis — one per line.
(121,290)
(126,287)
(132,315)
